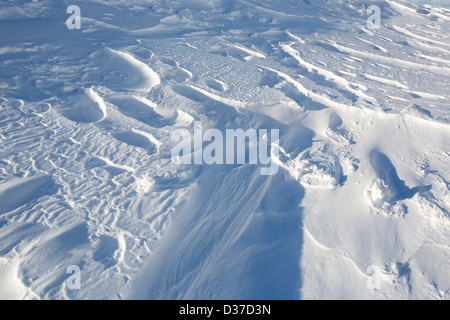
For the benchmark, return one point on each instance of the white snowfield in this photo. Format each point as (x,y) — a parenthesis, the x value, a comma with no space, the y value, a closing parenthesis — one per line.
(87,179)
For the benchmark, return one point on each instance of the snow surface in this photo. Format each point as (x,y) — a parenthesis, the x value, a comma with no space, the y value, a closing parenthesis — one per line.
(86,176)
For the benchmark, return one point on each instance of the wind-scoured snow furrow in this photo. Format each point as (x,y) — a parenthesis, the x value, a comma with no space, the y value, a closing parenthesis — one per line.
(394,61)
(329,76)
(304,91)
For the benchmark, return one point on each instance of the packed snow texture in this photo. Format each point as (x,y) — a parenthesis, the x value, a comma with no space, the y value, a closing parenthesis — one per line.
(86,177)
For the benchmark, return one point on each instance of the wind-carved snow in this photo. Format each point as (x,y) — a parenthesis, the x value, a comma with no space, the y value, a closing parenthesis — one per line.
(17,193)
(150,138)
(394,61)
(123,71)
(330,76)
(118,166)
(386,81)
(87,179)
(87,106)
(148,78)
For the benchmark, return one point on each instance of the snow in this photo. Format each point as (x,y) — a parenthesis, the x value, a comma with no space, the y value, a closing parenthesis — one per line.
(87,179)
